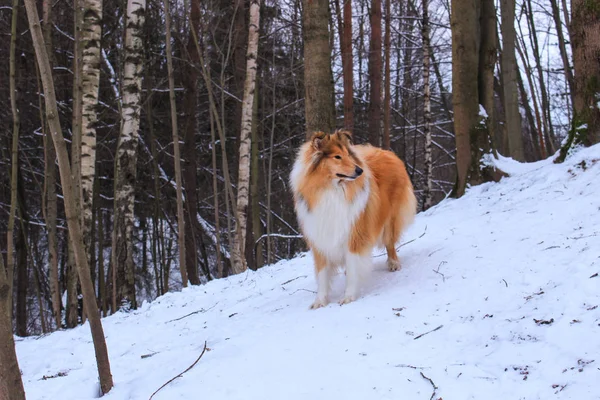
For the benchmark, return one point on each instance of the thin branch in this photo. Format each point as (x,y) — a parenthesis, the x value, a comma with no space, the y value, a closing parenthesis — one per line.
(181,374)
(426,333)
(435,388)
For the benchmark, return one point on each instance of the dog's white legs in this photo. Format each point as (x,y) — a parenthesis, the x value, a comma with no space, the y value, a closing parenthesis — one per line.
(323,285)
(357,269)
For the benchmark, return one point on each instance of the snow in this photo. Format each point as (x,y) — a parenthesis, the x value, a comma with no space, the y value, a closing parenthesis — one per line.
(483,268)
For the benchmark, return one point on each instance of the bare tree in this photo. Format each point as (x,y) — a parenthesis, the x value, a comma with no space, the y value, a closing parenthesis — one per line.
(238,260)
(375,74)
(176,153)
(11,384)
(72,210)
(126,158)
(318,77)
(585,34)
(427,195)
(509,79)
(388,83)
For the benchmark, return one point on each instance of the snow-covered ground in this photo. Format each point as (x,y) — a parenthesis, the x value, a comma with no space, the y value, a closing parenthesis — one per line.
(505,280)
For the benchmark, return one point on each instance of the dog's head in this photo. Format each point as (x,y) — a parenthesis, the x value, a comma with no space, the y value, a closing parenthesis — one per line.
(332,155)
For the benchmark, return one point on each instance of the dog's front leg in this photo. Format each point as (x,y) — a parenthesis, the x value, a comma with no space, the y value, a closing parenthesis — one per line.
(357,268)
(323,273)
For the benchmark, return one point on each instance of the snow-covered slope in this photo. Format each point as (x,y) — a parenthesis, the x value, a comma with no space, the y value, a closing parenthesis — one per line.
(508,275)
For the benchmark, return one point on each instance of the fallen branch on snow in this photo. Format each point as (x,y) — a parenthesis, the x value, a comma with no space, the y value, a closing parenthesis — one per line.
(435,388)
(181,374)
(202,310)
(426,333)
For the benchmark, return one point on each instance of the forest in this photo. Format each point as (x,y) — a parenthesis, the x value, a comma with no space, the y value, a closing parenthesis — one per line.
(146,145)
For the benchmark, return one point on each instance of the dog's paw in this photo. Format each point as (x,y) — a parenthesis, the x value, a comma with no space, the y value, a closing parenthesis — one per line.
(347,299)
(318,304)
(393,265)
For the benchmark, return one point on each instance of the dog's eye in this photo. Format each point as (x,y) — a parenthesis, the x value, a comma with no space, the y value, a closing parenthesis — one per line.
(338,157)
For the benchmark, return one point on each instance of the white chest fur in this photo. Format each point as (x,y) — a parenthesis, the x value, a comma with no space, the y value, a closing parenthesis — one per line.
(328,225)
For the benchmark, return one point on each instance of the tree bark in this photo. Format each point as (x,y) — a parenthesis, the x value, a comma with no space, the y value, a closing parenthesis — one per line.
(190,105)
(91,35)
(257,249)
(318,77)
(509,79)
(375,74)
(347,66)
(11,383)
(562,46)
(488,54)
(10,231)
(50,187)
(427,191)
(465,60)
(238,249)
(585,42)
(387,98)
(126,158)
(71,206)
(176,153)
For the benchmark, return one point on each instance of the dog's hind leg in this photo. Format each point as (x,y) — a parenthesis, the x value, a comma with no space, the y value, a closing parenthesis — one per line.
(393,262)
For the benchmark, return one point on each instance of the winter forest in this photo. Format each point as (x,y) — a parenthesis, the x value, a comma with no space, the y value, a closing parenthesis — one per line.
(146,145)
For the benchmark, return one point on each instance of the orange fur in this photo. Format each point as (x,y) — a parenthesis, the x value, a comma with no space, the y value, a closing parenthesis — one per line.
(330,163)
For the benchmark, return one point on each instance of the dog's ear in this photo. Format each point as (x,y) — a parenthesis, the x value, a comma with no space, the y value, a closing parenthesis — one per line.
(345,135)
(317,140)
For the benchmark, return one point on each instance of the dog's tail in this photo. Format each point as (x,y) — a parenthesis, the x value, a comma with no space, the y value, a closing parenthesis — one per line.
(409,208)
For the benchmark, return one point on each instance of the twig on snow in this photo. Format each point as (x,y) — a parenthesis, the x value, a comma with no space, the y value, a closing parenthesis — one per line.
(405,243)
(291,280)
(181,374)
(438,270)
(435,388)
(506,283)
(202,310)
(408,366)
(426,333)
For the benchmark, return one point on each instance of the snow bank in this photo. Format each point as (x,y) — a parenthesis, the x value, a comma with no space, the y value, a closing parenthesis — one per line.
(508,275)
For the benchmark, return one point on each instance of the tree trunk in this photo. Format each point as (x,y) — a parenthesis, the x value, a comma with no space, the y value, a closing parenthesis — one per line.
(562,46)
(318,78)
(427,192)
(375,74)
(22,278)
(10,231)
(176,154)
(11,384)
(91,34)
(238,249)
(488,54)
(347,66)
(388,83)
(585,42)
(549,131)
(50,186)
(257,249)
(71,206)
(126,158)
(509,79)
(190,105)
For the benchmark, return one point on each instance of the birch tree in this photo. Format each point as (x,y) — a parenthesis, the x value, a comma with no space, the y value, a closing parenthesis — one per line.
(72,210)
(91,33)
(126,158)
(238,251)
(427,195)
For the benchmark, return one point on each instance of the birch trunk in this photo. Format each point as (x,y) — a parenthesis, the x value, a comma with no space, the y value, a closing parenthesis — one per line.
(238,249)
(427,192)
(71,206)
(318,77)
(11,384)
(126,158)
(509,80)
(91,33)
(176,153)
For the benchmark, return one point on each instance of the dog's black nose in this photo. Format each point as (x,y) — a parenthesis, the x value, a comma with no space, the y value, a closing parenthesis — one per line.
(358,171)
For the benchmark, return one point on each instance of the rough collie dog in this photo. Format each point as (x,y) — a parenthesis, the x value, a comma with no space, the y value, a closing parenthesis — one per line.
(348,200)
